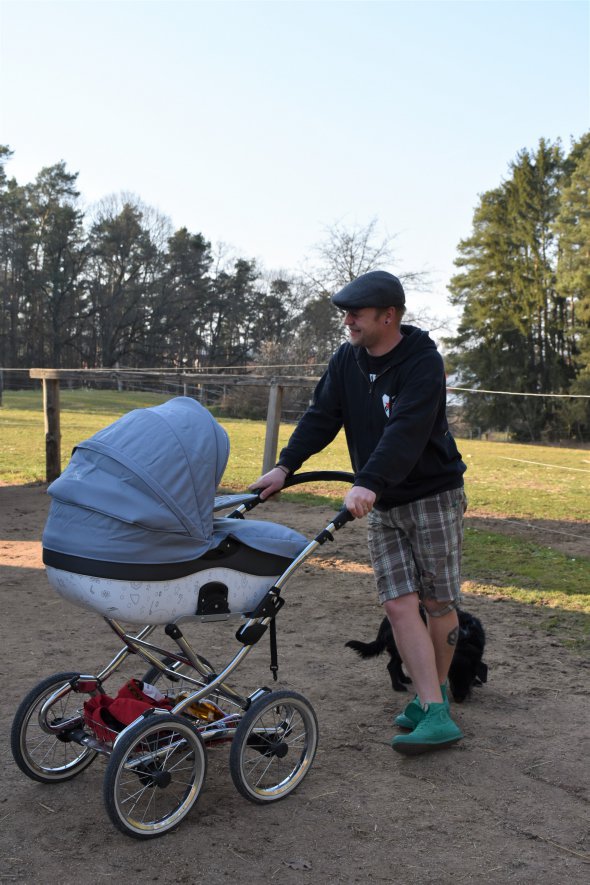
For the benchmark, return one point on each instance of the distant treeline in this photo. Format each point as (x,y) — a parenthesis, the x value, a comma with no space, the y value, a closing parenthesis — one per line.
(117,285)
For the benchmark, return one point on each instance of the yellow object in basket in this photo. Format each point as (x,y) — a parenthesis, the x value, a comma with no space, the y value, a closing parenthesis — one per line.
(206,710)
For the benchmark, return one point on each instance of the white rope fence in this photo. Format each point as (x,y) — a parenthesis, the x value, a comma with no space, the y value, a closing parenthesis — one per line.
(520,393)
(241,371)
(537,528)
(543,464)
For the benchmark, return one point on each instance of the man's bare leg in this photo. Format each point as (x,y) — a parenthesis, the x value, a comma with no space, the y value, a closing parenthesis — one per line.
(415,646)
(444,633)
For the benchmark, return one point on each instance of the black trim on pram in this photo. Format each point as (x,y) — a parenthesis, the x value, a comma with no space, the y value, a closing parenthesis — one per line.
(230,554)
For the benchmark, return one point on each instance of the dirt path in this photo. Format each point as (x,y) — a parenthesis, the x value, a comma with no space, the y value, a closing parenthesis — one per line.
(509,804)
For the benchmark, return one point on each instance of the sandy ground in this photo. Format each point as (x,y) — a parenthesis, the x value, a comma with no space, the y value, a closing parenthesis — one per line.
(509,804)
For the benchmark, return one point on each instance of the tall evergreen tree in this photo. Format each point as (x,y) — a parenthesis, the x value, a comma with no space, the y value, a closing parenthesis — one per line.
(233,311)
(58,258)
(123,267)
(181,303)
(514,334)
(573,270)
(15,261)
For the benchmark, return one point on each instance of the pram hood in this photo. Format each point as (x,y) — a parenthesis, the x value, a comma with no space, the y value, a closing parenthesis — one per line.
(142,490)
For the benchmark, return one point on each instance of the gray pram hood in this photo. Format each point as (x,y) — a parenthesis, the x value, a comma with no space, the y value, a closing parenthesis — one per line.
(143,490)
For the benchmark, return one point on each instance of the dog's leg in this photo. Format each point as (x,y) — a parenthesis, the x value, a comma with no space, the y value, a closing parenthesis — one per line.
(398,677)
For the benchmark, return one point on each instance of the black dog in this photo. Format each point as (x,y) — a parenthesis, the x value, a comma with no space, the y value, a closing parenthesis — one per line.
(467,669)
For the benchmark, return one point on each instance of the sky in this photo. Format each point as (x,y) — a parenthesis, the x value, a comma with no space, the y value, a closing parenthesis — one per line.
(263,124)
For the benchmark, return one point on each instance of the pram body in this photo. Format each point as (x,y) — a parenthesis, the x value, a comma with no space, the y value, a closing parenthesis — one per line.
(132,534)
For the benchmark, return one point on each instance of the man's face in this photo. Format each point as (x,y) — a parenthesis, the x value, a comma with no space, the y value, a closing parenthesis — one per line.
(367,327)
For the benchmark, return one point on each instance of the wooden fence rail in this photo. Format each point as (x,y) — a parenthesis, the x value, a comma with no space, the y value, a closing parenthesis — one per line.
(276,383)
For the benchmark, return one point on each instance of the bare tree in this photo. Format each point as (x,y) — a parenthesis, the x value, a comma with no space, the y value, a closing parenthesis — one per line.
(348,252)
(345,253)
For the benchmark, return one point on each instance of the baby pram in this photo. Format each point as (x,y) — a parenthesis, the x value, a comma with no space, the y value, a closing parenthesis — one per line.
(132,535)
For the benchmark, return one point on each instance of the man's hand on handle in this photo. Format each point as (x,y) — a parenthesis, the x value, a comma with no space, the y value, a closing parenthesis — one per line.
(359,501)
(270,483)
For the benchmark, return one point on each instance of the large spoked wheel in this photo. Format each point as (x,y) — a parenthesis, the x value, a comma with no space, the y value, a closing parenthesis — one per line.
(154,775)
(274,746)
(49,758)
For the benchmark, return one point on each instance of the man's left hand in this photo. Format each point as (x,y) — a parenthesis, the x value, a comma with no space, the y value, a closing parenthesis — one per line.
(359,501)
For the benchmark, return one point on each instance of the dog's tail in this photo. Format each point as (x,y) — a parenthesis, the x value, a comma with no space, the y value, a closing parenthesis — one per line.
(367,649)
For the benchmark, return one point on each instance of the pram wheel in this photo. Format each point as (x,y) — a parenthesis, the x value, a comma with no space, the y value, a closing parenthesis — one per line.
(274,746)
(154,775)
(48,758)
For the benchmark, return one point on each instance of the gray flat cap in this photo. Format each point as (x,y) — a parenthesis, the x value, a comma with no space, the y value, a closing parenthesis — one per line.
(374,289)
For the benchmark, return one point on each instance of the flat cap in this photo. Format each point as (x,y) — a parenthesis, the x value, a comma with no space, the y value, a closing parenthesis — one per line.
(374,289)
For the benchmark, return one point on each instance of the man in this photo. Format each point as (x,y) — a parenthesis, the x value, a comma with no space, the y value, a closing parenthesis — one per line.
(387,388)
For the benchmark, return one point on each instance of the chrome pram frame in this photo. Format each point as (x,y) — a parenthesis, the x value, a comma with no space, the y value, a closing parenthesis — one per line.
(156,765)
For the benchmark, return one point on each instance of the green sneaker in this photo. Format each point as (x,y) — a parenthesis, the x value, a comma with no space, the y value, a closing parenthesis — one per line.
(435,731)
(413,713)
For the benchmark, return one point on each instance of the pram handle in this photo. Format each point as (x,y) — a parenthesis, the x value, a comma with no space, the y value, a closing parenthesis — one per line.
(344,515)
(297,479)
(318,476)
(341,518)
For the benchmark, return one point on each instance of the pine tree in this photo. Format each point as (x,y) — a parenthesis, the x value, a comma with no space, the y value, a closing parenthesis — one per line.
(514,333)
(573,270)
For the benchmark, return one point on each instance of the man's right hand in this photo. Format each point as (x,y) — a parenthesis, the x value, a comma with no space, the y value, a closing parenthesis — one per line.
(270,483)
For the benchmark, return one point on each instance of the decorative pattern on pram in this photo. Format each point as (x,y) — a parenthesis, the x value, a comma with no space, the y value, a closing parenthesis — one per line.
(213,594)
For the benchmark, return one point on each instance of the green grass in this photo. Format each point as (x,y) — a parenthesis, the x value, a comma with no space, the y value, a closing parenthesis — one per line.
(528,571)
(500,482)
(83,412)
(500,567)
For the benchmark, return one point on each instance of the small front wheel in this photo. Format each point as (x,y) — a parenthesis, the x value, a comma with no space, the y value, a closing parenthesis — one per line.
(154,775)
(49,758)
(274,746)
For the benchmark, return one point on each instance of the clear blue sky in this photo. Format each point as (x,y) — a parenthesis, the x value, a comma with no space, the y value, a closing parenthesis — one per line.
(261,123)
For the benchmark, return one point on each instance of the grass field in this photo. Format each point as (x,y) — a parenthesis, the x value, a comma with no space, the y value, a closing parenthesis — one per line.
(502,480)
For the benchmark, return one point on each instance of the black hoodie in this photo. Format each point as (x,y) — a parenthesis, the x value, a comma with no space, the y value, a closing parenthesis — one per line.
(395,422)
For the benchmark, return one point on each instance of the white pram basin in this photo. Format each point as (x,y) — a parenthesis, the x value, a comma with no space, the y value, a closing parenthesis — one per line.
(228,581)
(131,533)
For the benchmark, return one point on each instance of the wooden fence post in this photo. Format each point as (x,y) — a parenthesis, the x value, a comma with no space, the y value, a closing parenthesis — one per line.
(52,423)
(273,422)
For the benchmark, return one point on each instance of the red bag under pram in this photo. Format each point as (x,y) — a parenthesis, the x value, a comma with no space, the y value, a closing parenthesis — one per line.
(108,716)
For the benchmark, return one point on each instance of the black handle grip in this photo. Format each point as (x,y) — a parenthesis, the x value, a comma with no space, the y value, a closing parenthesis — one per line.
(342,518)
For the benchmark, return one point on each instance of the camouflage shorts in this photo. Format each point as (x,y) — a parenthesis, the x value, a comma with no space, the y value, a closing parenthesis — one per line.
(416,548)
